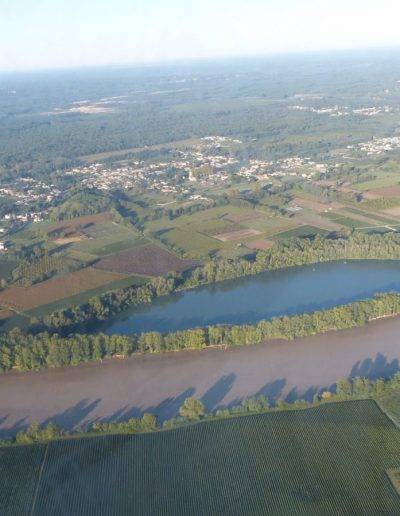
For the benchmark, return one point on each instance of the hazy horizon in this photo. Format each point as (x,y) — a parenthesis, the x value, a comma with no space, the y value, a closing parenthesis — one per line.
(350,53)
(56,34)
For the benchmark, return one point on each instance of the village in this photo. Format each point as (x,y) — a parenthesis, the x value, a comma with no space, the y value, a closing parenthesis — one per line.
(337,111)
(199,167)
(183,173)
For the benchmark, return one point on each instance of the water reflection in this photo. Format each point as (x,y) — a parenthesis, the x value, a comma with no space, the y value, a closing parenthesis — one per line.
(247,300)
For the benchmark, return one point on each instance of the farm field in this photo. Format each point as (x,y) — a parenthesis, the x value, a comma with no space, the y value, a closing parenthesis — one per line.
(46,292)
(77,223)
(293,462)
(107,238)
(387,191)
(301,231)
(395,211)
(384,180)
(83,297)
(314,219)
(213,231)
(238,234)
(371,215)
(259,244)
(271,225)
(315,205)
(192,244)
(146,260)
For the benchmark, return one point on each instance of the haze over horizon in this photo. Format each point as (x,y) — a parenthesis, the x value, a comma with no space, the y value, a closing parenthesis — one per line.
(49,34)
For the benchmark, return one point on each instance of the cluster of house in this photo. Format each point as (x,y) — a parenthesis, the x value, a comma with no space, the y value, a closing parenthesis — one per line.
(27,191)
(200,164)
(293,166)
(27,194)
(344,111)
(331,111)
(372,111)
(204,165)
(377,146)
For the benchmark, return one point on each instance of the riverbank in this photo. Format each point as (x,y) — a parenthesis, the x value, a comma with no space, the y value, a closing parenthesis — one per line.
(116,390)
(25,352)
(295,252)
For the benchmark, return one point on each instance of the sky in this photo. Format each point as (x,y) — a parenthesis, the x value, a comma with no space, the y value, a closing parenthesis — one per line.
(46,34)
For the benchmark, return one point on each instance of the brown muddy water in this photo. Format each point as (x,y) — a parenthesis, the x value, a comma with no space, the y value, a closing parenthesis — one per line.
(119,389)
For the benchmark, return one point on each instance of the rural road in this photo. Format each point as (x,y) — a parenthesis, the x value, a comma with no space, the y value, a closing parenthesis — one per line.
(119,389)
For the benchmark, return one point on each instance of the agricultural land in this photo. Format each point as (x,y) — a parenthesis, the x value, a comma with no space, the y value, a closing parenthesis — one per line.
(336,458)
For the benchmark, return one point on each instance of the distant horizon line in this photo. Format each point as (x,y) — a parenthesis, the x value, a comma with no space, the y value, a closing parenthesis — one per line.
(212,58)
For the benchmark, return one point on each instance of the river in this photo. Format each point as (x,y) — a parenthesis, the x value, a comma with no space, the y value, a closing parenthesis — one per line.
(247,300)
(118,389)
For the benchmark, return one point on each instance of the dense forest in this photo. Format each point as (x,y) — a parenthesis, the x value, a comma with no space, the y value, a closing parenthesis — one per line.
(42,132)
(27,352)
(294,252)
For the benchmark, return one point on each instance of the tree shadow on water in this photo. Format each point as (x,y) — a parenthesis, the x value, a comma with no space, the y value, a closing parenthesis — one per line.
(218,391)
(74,416)
(6,433)
(169,407)
(379,367)
(272,390)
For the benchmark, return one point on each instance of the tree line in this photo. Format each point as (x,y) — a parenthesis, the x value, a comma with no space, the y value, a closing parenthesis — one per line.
(28,352)
(193,410)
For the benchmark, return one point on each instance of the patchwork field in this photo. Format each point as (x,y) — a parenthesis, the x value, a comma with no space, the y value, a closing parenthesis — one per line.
(216,230)
(26,298)
(334,459)
(147,260)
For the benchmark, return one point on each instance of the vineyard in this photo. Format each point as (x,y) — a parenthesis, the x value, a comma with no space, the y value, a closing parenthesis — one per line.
(28,273)
(26,298)
(334,459)
(146,260)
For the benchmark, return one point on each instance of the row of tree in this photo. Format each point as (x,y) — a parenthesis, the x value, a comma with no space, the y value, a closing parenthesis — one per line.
(294,252)
(27,352)
(193,410)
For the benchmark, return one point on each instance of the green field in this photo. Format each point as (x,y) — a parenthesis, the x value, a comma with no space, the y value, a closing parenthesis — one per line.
(372,215)
(327,460)
(301,231)
(383,179)
(192,243)
(107,238)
